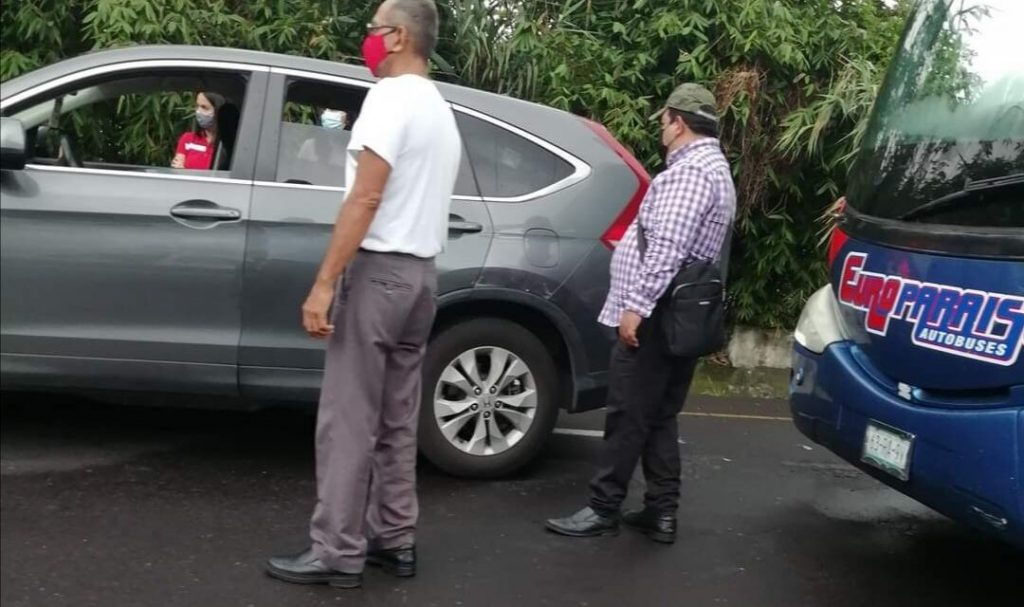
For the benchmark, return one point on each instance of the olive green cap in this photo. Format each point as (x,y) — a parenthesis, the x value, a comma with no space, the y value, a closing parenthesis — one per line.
(693,98)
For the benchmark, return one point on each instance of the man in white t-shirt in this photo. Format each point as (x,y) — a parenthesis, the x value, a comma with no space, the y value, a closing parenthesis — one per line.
(379,274)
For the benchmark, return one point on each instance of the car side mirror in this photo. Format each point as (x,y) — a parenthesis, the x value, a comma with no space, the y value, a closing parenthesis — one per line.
(12,144)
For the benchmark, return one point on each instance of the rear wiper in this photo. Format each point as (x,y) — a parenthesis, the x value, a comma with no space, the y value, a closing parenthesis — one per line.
(970,188)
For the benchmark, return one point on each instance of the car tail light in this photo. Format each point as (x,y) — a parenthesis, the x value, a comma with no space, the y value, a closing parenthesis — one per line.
(618,229)
(838,237)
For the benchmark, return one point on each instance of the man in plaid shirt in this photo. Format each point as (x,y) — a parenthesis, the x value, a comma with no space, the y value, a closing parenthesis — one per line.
(685,217)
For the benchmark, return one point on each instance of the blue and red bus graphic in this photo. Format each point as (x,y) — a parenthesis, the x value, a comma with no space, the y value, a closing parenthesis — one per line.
(980,325)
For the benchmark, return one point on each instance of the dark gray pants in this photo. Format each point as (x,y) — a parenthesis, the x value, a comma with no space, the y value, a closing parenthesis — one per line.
(369,407)
(646,392)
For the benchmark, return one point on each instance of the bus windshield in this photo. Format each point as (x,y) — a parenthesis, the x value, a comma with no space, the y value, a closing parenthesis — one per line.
(945,143)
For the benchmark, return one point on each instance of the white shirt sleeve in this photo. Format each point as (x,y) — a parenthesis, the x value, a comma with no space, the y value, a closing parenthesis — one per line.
(382,122)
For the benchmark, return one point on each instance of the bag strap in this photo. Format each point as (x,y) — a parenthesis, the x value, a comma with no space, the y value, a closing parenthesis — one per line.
(723,252)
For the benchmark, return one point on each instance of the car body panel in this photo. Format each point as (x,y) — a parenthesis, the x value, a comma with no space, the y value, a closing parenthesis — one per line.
(539,252)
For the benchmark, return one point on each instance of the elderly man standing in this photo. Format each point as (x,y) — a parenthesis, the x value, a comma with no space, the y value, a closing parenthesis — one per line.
(379,273)
(684,218)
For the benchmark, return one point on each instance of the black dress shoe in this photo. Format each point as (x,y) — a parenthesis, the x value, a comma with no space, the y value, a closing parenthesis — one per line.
(658,526)
(585,523)
(305,568)
(400,562)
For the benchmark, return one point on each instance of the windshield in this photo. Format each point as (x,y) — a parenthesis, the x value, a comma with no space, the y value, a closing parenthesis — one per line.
(950,114)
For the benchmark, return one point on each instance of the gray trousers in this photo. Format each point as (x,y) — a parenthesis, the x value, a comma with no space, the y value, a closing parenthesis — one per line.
(369,407)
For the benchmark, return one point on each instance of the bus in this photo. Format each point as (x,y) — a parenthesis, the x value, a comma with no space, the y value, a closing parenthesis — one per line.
(909,363)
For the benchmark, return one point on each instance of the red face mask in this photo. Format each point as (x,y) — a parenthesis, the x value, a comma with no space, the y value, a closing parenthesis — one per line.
(375,52)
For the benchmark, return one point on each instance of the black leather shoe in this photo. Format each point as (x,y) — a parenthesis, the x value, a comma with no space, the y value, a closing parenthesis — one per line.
(658,526)
(399,562)
(305,568)
(585,523)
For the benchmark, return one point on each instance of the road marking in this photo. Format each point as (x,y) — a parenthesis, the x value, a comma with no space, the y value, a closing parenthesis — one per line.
(821,466)
(600,434)
(576,432)
(773,418)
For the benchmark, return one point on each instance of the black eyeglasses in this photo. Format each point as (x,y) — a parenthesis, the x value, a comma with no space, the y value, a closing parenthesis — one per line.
(373,29)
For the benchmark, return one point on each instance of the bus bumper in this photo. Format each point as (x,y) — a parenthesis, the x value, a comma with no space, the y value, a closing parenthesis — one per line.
(964,463)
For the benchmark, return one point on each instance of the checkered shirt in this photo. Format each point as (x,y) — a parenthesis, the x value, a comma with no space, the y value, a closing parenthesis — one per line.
(685,215)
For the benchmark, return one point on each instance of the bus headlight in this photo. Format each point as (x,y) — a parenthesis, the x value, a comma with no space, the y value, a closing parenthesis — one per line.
(820,324)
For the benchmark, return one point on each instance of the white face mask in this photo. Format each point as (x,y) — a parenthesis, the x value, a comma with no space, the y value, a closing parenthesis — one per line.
(669,134)
(332,119)
(205,120)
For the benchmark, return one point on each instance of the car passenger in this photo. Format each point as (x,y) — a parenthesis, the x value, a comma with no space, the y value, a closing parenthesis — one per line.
(329,148)
(196,147)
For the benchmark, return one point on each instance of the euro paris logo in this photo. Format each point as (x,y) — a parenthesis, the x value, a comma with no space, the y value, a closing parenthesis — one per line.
(973,324)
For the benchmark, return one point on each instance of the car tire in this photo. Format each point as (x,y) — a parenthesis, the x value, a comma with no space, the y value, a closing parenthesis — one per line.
(486,343)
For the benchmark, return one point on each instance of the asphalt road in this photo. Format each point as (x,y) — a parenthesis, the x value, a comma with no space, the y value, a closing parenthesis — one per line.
(113,506)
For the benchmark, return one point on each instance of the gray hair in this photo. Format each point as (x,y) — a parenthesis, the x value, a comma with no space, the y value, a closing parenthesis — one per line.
(420,18)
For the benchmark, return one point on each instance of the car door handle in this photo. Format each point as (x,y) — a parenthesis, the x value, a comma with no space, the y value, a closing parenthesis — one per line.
(204,210)
(455,225)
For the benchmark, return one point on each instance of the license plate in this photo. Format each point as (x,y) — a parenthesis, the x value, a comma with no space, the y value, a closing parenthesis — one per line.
(888,449)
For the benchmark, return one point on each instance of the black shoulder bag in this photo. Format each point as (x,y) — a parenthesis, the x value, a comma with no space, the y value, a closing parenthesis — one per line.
(692,318)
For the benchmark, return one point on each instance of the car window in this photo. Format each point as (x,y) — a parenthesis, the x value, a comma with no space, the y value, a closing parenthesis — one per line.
(316,126)
(465,182)
(136,123)
(507,165)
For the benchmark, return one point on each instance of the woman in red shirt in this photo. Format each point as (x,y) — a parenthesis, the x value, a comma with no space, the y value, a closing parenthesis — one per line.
(196,147)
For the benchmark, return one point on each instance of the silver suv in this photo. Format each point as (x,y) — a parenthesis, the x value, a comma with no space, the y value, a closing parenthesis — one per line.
(123,275)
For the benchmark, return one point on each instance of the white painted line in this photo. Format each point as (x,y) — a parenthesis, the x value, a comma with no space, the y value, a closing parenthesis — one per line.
(600,434)
(771,418)
(576,432)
